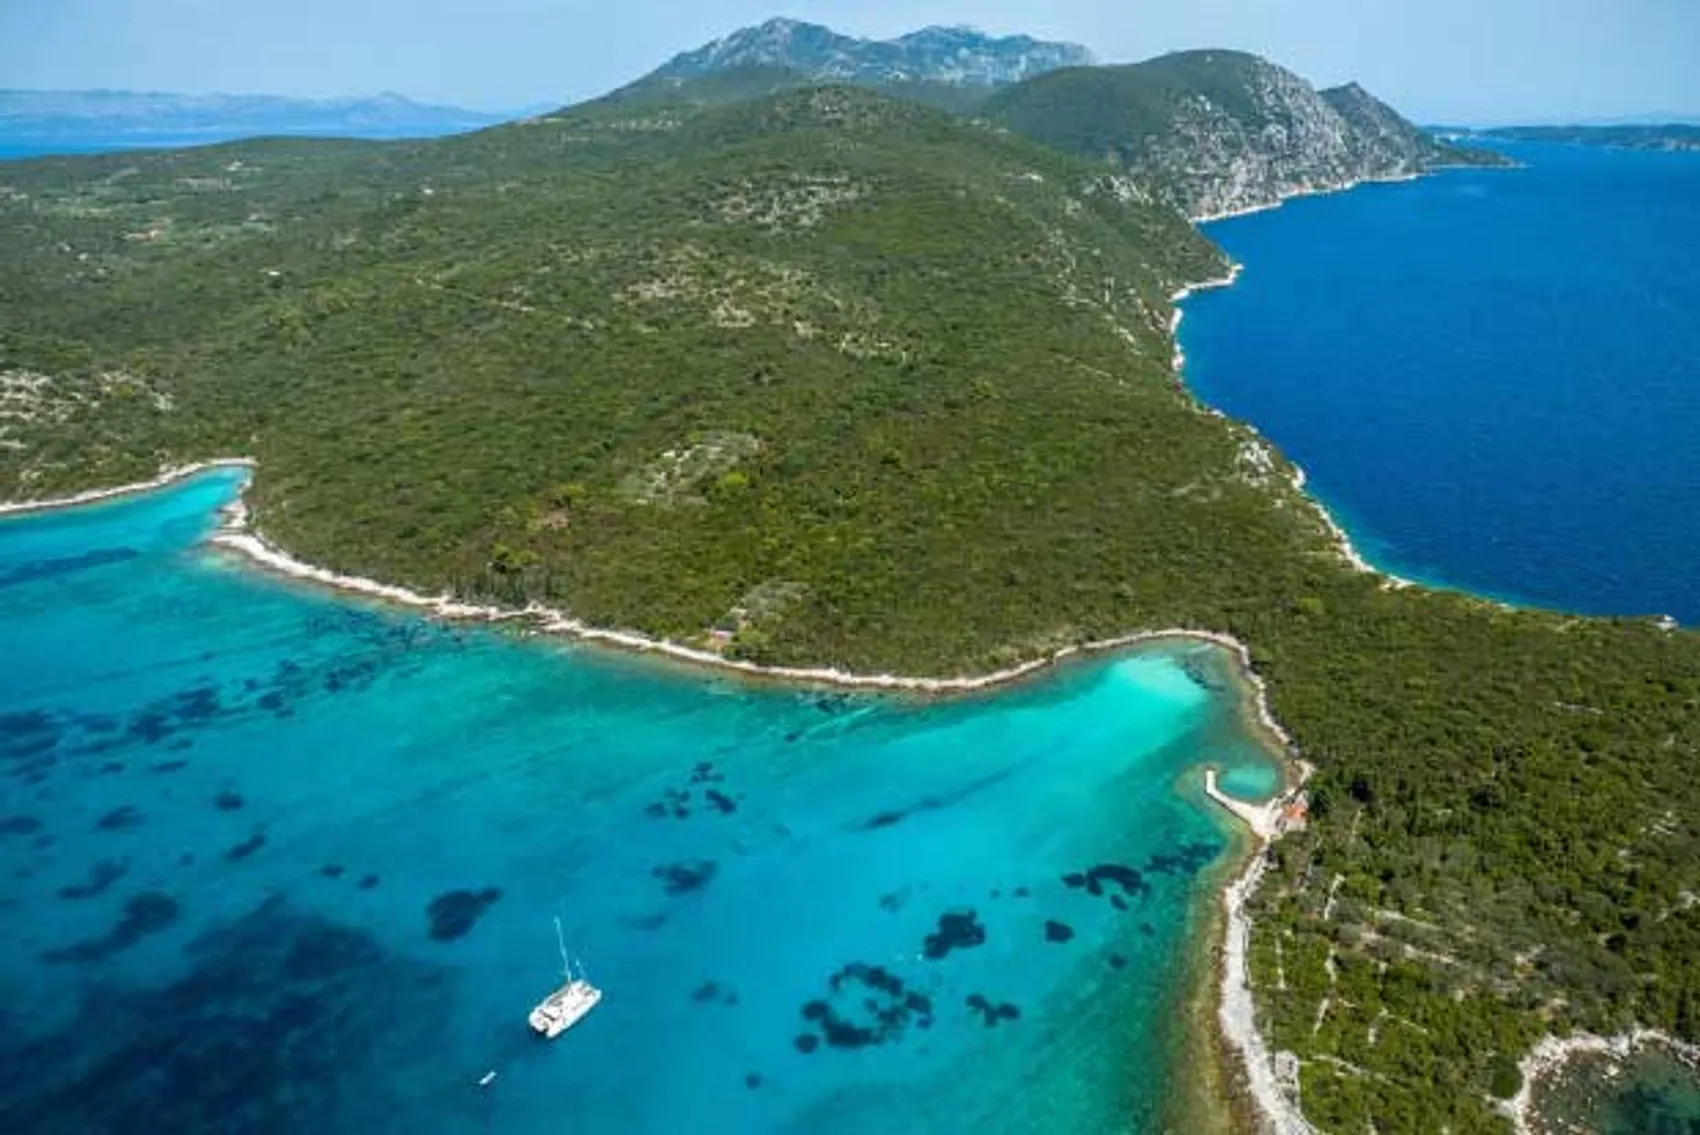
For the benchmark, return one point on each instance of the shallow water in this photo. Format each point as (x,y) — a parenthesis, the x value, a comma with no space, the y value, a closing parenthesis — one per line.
(270,860)
(1651,1093)
(1491,376)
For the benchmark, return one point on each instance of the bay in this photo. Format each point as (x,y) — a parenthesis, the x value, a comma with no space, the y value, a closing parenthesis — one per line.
(274,860)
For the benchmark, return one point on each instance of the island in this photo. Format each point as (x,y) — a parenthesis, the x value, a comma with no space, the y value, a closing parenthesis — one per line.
(796,372)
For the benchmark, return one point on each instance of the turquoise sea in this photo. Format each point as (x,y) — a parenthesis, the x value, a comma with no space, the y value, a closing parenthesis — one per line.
(1492,377)
(271,860)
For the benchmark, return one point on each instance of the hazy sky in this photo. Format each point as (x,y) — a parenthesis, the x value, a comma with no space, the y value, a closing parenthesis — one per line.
(1438,60)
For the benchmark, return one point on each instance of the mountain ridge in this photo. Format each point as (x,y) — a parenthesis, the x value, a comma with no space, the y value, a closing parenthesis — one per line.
(956,55)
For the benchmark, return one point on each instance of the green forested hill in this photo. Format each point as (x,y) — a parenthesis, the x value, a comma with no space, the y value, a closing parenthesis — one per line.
(858,383)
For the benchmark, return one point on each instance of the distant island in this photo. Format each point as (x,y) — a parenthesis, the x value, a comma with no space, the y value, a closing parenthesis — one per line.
(1673,136)
(48,116)
(798,356)
(1670,136)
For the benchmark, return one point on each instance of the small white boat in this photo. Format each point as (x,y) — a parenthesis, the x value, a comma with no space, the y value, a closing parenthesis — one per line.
(567,1006)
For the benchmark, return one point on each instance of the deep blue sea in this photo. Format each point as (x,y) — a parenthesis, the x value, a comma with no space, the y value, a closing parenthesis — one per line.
(271,860)
(1491,377)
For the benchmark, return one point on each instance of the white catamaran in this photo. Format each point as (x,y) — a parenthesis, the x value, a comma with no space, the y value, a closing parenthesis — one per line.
(567,1006)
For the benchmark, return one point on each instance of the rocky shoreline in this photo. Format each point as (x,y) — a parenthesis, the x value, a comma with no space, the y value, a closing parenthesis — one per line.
(1552,1053)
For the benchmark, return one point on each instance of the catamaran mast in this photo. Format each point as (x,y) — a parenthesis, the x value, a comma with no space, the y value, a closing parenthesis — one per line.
(561,941)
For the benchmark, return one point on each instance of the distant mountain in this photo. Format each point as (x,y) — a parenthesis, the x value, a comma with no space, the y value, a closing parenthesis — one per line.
(958,56)
(118,114)
(1666,136)
(1221,131)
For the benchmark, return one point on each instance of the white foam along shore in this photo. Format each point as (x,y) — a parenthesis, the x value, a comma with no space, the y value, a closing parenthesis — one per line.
(1549,1056)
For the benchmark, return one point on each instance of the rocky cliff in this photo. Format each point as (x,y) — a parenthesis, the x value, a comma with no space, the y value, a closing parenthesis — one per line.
(1218,132)
(933,55)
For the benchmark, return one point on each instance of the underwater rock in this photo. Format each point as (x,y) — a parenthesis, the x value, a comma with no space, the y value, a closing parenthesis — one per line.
(958,930)
(1187,859)
(20,825)
(712,992)
(122,818)
(752,1080)
(169,766)
(876,1009)
(1128,880)
(265,1026)
(806,1042)
(228,801)
(367,882)
(1058,931)
(685,876)
(453,914)
(145,914)
(64,565)
(197,704)
(721,802)
(101,876)
(991,1014)
(148,727)
(332,870)
(1117,961)
(246,848)
(673,803)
